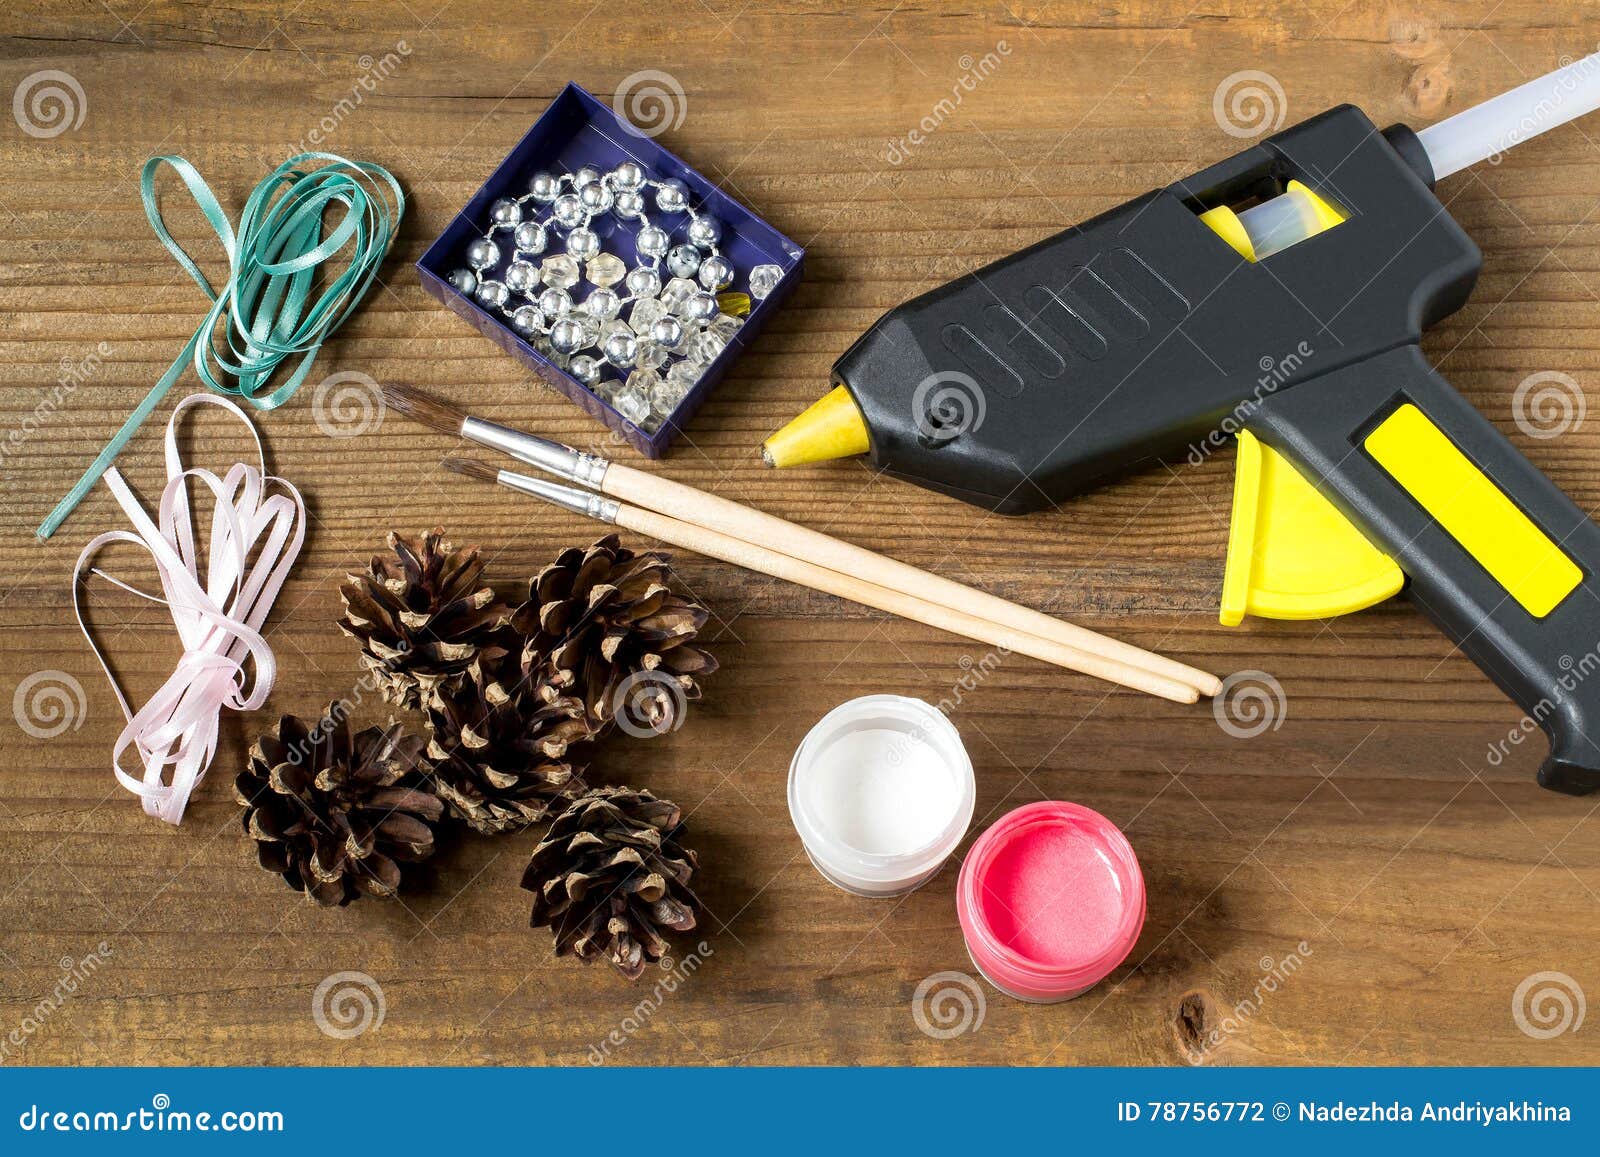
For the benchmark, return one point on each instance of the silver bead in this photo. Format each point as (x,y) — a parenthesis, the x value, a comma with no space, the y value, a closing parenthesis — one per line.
(699,307)
(644,282)
(705,231)
(566,336)
(628,204)
(521,276)
(587,175)
(493,293)
(602,304)
(596,197)
(667,332)
(628,176)
(672,197)
(530,237)
(583,243)
(621,349)
(716,272)
(505,213)
(482,253)
(544,187)
(568,211)
(555,302)
(526,319)
(683,261)
(652,242)
(585,369)
(465,280)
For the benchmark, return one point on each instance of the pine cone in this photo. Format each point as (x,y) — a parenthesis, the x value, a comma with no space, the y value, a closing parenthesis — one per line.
(610,875)
(500,752)
(602,624)
(421,616)
(333,814)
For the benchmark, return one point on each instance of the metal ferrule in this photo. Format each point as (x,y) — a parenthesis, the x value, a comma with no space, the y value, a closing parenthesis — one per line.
(567,497)
(551,457)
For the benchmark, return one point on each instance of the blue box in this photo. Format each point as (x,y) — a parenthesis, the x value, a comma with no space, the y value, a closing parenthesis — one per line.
(578,130)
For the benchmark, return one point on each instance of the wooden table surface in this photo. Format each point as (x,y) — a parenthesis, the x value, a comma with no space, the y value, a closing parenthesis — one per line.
(1361,883)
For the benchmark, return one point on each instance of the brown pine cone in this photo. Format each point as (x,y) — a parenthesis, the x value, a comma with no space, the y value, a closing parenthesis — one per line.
(500,748)
(603,625)
(421,615)
(335,815)
(610,876)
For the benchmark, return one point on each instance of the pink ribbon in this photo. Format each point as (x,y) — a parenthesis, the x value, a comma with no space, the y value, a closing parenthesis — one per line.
(219,622)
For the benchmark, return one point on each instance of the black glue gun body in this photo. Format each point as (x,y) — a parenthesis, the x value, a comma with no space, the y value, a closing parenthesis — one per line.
(1278,296)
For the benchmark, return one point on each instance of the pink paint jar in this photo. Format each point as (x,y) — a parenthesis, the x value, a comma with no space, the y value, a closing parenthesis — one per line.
(1051,900)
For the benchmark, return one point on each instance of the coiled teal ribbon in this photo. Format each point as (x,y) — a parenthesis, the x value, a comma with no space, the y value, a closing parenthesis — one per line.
(272,266)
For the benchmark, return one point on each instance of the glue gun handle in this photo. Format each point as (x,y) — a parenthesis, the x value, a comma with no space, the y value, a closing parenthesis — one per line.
(1493,551)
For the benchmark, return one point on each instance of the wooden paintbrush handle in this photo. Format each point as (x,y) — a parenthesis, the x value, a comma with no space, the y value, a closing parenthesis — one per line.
(743,553)
(654,492)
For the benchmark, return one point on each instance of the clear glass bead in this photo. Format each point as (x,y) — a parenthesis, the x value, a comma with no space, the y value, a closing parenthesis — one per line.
(684,374)
(650,354)
(604,269)
(559,271)
(764,279)
(631,403)
(667,395)
(645,313)
(724,327)
(677,291)
(704,347)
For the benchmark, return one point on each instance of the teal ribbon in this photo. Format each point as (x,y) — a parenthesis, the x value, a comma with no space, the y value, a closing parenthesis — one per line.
(265,309)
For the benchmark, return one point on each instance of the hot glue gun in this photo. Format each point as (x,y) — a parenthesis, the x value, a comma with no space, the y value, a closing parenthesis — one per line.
(1279,295)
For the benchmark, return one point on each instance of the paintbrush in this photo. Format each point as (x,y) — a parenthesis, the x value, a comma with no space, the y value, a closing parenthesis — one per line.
(751,556)
(733,520)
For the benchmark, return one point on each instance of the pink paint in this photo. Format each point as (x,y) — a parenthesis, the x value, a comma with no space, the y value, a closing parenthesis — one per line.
(1051,900)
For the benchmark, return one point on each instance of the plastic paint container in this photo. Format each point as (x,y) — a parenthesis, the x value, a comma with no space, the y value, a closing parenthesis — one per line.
(1050,899)
(881,791)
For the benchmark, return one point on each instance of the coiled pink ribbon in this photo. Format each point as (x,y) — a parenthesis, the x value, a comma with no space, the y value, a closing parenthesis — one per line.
(219,623)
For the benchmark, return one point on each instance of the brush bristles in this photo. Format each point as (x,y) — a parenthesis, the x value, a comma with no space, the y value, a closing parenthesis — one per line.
(472,468)
(424,408)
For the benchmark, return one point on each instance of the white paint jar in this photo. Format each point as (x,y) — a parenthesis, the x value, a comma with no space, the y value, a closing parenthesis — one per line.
(881,791)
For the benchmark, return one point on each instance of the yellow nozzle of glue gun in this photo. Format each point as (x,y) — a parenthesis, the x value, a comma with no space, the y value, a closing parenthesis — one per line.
(831,427)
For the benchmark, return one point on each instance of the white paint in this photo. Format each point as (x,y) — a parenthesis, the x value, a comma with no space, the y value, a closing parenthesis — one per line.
(882,791)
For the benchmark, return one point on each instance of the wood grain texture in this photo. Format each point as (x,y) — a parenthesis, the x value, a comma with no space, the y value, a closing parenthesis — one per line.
(1425,880)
